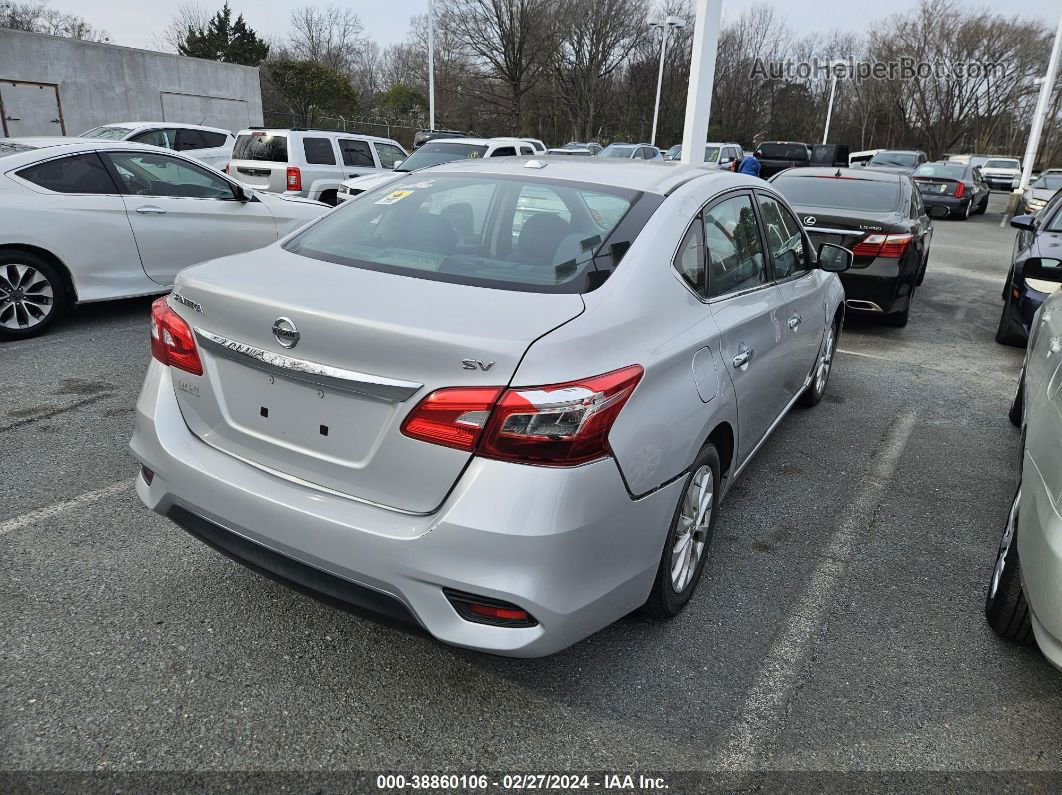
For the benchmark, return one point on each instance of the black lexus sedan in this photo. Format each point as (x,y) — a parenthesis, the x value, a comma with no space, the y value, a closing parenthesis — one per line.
(880,216)
(1039,239)
(957,187)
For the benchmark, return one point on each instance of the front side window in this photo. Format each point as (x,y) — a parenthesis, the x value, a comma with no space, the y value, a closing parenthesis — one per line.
(160,175)
(487,230)
(75,174)
(784,238)
(356,153)
(389,154)
(735,253)
(318,151)
(167,139)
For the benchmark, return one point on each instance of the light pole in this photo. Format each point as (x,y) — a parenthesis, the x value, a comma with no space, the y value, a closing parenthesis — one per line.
(702,76)
(833,91)
(1046,88)
(431,64)
(665,27)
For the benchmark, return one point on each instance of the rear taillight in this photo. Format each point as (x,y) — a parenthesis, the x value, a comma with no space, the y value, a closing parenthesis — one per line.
(886,246)
(172,342)
(226,169)
(294,178)
(557,425)
(960,190)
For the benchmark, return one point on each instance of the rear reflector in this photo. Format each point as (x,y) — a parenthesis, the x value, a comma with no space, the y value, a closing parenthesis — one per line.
(486,610)
(172,342)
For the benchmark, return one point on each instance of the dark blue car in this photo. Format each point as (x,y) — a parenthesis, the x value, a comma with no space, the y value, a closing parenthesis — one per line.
(1039,237)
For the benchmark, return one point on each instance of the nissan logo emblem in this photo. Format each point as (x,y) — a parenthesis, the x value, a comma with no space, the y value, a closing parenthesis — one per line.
(285,332)
(809,220)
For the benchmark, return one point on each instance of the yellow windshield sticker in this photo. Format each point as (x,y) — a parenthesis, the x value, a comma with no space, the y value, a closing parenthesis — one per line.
(394,196)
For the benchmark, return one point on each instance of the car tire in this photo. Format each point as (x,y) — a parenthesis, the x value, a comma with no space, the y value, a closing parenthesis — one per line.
(982,208)
(1005,333)
(899,319)
(690,533)
(1006,608)
(922,271)
(966,212)
(820,377)
(40,288)
(1017,407)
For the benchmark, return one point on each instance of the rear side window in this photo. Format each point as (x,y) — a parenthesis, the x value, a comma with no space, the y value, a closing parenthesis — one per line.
(167,139)
(74,174)
(389,154)
(319,151)
(504,151)
(689,262)
(213,140)
(189,139)
(503,232)
(355,153)
(259,146)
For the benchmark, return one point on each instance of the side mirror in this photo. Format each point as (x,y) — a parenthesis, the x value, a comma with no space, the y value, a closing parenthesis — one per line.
(938,211)
(1025,222)
(1048,270)
(397,164)
(243,193)
(834,258)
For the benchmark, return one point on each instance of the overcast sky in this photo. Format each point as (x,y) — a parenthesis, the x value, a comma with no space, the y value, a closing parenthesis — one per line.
(134,24)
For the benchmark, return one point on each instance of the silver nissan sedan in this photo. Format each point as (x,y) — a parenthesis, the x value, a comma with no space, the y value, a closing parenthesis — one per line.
(498,401)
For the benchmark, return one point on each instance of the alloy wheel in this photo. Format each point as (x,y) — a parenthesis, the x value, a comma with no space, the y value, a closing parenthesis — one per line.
(1004,546)
(26,296)
(822,372)
(691,535)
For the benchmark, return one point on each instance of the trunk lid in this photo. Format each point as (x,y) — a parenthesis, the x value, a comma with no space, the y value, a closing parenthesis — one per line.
(937,186)
(370,346)
(843,229)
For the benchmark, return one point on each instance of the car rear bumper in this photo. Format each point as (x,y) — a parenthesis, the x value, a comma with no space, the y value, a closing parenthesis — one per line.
(567,545)
(1040,551)
(881,288)
(950,203)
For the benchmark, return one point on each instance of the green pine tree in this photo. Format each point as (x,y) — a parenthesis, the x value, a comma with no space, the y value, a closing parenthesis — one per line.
(225,40)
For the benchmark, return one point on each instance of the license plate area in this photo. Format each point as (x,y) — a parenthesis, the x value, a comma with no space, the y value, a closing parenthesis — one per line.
(313,420)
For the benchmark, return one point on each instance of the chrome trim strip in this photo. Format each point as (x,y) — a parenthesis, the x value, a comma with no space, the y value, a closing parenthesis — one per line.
(865,306)
(828,231)
(300,369)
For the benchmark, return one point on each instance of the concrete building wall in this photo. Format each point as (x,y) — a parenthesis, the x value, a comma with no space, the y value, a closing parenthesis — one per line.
(52,86)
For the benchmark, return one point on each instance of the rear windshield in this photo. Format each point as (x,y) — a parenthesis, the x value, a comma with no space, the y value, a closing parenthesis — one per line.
(893,159)
(616,151)
(942,170)
(260,146)
(784,151)
(434,153)
(841,193)
(496,231)
(107,133)
(1001,164)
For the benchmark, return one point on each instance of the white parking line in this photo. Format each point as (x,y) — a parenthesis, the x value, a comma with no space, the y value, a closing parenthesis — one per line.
(781,671)
(49,511)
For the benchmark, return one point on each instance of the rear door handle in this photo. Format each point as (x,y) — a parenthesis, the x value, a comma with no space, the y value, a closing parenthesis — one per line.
(744,357)
(150,210)
(795,321)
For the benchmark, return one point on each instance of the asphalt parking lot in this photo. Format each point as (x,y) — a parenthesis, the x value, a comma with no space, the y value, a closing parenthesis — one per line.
(840,625)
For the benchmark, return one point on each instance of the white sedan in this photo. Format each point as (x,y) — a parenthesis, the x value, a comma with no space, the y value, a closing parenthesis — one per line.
(210,145)
(92,220)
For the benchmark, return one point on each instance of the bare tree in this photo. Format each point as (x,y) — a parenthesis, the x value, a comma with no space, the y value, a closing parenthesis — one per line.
(38,17)
(331,36)
(188,16)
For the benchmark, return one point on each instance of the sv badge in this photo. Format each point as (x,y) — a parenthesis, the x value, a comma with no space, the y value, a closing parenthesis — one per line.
(472,364)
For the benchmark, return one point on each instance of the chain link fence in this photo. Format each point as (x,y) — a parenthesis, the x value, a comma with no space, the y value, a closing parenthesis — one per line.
(399,129)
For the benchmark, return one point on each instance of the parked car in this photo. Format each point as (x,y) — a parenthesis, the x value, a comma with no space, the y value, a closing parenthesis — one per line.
(1039,236)
(861,158)
(593,146)
(210,145)
(1041,190)
(537,147)
(777,156)
(716,155)
(433,153)
(1002,173)
(1025,588)
(902,160)
(423,136)
(90,220)
(309,163)
(566,151)
(959,189)
(525,442)
(880,217)
(631,152)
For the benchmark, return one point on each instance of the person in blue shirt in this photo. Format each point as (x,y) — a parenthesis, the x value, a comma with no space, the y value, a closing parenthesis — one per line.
(751,164)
